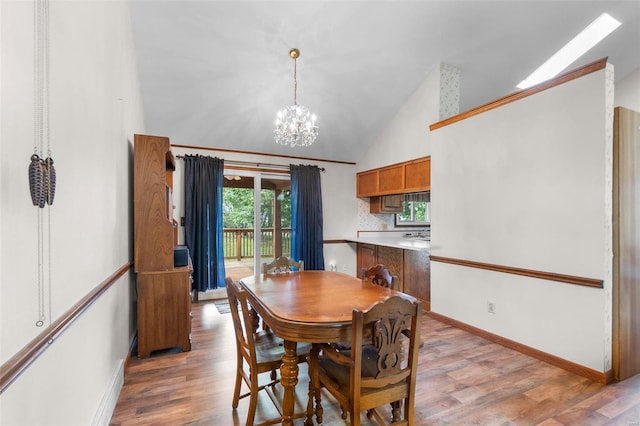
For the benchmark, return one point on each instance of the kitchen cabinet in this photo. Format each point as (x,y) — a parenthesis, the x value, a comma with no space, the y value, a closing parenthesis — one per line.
(401,178)
(386,204)
(411,266)
(417,175)
(392,259)
(367,257)
(367,183)
(391,179)
(417,275)
(164,299)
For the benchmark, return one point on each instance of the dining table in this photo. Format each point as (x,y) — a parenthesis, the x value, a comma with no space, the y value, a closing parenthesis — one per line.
(309,306)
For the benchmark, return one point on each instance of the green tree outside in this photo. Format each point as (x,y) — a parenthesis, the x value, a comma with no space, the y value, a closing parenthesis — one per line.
(237,205)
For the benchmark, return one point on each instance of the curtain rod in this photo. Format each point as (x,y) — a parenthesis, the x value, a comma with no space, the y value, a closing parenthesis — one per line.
(252,163)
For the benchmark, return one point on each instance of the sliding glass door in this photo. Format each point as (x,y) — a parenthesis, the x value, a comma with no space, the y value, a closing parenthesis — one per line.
(257,220)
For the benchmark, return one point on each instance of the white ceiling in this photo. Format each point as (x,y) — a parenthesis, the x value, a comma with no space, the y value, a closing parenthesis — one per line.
(214,73)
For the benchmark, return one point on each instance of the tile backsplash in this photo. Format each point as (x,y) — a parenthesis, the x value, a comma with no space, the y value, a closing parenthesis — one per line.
(372,222)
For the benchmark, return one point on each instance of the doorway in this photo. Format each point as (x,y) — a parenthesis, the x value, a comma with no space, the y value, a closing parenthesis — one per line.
(256,220)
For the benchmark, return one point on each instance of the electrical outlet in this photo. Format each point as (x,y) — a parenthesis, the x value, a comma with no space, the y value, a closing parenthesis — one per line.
(491,307)
(344,267)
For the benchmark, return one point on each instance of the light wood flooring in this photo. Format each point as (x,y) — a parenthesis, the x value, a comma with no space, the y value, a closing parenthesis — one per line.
(463,380)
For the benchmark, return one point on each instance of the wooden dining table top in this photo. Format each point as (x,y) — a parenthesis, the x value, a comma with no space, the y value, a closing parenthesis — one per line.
(312,306)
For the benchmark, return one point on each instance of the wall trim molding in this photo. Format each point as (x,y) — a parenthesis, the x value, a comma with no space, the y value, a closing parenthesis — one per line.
(16,365)
(597,376)
(335,241)
(550,276)
(237,151)
(563,78)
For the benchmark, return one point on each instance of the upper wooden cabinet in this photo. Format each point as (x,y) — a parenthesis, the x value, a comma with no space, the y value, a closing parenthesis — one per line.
(391,179)
(367,183)
(417,175)
(153,204)
(410,176)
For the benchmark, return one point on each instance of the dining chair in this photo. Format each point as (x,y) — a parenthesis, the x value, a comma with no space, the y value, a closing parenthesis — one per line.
(260,352)
(379,275)
(282,264)
(279,265)
(370,375)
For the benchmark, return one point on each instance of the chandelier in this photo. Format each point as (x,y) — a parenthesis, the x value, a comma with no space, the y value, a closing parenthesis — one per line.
(295,125)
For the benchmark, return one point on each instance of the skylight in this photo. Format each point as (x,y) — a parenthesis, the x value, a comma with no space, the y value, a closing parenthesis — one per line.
(578,46)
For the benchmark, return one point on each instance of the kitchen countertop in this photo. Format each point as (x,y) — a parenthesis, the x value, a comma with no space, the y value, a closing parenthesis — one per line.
(409,243)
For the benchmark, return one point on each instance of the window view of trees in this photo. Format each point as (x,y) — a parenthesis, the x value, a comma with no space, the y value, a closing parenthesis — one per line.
(238,218)
(413,213)
(238,208)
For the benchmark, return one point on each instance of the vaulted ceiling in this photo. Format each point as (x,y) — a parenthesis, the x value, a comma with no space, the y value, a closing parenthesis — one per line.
(214,73)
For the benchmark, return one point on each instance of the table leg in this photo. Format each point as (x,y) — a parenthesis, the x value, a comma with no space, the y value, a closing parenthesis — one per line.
(289,380)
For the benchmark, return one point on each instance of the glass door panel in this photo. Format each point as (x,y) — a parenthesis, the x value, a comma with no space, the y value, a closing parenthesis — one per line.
(239,224)
(275,217)
(257,220)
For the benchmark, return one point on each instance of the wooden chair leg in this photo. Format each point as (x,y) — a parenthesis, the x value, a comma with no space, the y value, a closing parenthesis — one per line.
(314,389)
(236,391)
(253,399)
(395,411)
(308,421)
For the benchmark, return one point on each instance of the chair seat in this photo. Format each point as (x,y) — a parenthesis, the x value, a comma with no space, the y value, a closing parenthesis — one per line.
(340,373)
(269,347)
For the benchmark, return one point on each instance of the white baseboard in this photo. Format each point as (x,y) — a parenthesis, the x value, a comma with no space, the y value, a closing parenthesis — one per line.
(110,398)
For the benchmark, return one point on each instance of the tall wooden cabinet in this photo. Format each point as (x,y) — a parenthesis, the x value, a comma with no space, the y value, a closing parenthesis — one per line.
(626,244)
(164,300)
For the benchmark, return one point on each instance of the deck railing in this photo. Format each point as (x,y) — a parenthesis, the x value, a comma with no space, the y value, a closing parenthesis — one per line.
(238,242)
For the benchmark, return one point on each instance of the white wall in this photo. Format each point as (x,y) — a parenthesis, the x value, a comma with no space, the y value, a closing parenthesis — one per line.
(527,185)
(407,135)
(95,109)
(628,91)
(338,199)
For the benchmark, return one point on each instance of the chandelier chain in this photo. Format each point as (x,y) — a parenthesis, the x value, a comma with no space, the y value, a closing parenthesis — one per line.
(295,81)
(295,125)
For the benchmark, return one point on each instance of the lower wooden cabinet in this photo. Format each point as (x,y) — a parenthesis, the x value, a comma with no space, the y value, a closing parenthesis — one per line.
(417,276)
(412,267)
(392,259)
(366,258)
(164,310)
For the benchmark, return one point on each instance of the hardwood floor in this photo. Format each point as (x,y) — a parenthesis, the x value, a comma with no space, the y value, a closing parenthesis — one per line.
(463,380)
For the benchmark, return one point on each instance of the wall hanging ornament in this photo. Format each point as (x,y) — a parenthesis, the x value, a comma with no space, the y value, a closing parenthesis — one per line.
(42,180)
(36,181)
(50,179)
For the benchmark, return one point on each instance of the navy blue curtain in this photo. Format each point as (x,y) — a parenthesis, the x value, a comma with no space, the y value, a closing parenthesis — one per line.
(203,182)
(306,216)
